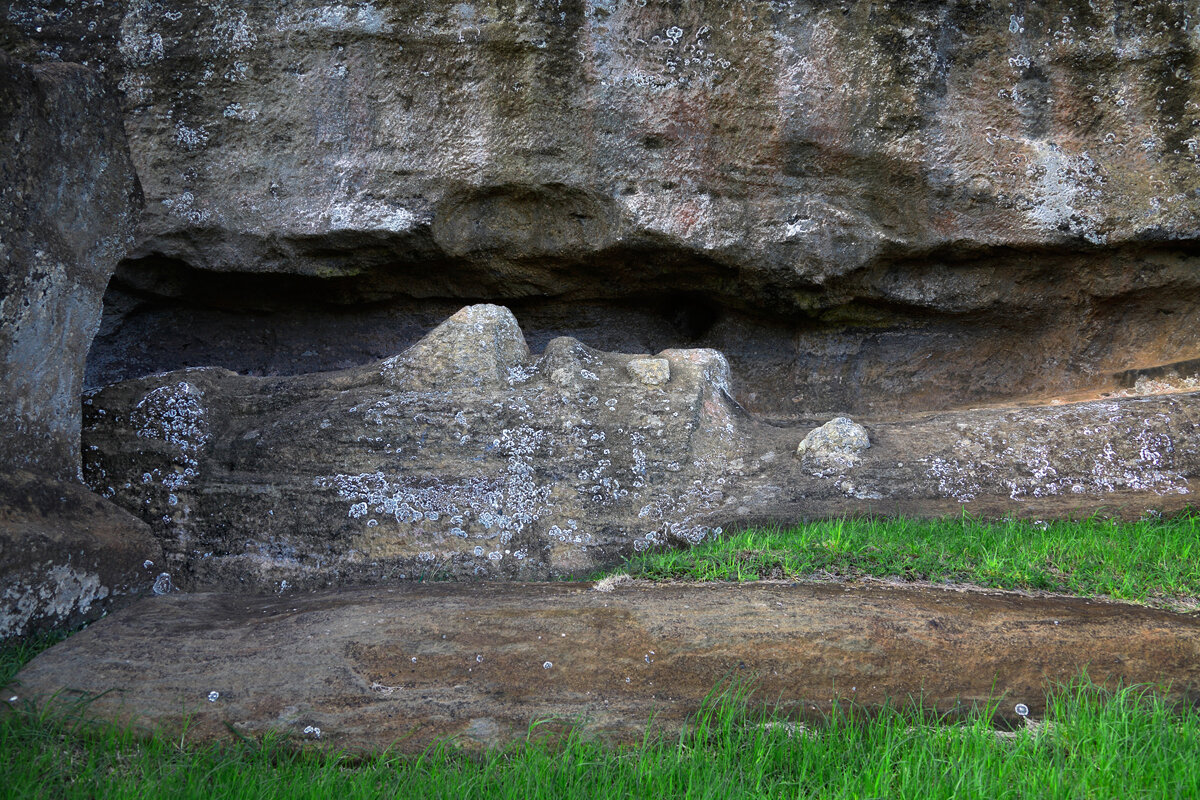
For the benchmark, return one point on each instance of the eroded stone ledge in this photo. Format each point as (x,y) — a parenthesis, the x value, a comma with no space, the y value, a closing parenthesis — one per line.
(406,665)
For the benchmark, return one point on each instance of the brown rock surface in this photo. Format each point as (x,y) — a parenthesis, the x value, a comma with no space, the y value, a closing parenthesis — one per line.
(407,665)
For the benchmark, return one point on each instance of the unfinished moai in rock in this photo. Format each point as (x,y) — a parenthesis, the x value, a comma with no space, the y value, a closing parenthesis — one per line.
(68,204)
(464,456)
(468,457)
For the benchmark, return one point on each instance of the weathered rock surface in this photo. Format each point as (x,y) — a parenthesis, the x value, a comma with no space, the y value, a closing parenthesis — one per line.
(869,209)
(68,203)
(66,555)
(834,446)
(467,457)
(69,200)
(463,455)
(405,666)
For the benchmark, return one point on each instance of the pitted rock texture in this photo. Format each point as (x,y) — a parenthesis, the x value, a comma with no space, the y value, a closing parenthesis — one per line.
(890,208)
(68,203)
(466,457)
(836,445)
(463,456)
(66,555)
(406,666)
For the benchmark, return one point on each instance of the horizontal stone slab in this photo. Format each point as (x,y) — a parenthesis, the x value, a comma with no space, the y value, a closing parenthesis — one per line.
(405,666)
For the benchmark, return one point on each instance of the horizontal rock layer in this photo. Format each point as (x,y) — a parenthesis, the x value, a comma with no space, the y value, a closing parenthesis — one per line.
(467,456)
(405,666)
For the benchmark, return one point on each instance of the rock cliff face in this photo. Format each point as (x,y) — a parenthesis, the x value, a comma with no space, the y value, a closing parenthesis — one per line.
(68,203)
(867,206)
(881,210)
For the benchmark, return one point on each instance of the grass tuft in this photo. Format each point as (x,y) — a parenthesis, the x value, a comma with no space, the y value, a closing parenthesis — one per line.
(1092,743)
(1154,561)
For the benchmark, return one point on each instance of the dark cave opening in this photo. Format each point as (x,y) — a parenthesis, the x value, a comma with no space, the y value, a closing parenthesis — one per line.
(907,336)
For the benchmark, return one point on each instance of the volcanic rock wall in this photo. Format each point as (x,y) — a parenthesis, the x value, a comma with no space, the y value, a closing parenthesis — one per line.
(867,206)
(68,202)
(881,209)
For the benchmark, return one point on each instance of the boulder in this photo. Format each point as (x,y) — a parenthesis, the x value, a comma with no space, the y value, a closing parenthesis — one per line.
(407,666)
(67,555)
(834,446)
(475,348)
(467,457)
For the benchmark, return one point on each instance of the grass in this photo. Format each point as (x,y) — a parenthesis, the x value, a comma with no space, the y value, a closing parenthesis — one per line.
(1093,743)
(1151,561)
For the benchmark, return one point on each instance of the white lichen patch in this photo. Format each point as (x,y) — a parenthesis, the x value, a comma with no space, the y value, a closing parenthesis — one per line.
(611,582)
(355,17)
(174,415)
(674,517)
(369,216)
(1064,184)
(486,507)
(56,593)
(190,138)
(1090,448)
(140,44)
